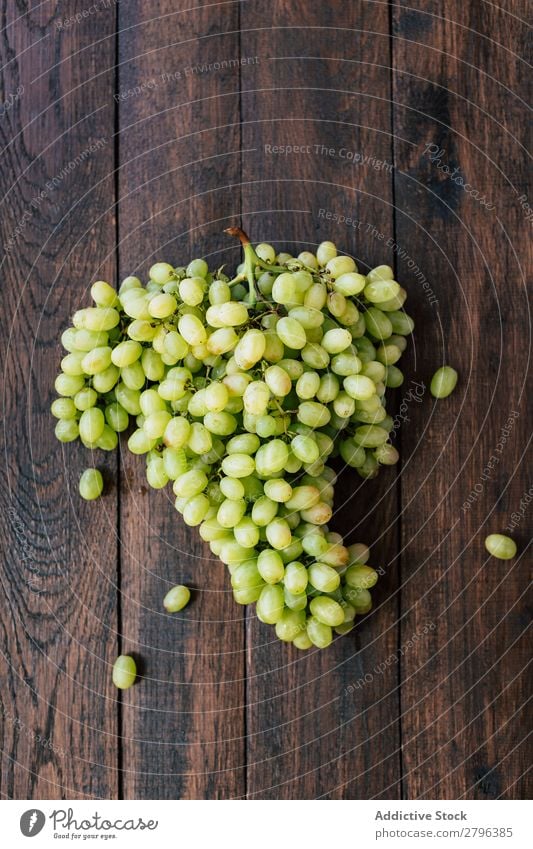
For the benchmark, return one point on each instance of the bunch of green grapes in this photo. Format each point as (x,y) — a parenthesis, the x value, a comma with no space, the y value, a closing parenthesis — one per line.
(240,390)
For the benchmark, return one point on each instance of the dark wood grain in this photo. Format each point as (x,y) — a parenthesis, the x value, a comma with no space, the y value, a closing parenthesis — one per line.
(464,684)
(183,725)
(313,728)
(58,631)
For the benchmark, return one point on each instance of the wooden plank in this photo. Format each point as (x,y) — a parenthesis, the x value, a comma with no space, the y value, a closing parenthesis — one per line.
(58,633)
(178,105)
(458,84)
(321,83)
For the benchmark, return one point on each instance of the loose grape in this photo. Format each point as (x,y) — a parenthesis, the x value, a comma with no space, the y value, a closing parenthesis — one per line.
(91,484)
(443,382)
(500,546)
(124,672)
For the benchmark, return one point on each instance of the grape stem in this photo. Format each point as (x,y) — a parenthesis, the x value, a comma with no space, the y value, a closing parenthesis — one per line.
(251,261)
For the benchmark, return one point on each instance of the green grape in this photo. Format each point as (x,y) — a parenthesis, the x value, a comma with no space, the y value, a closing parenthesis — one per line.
(124,672)
(105,380)
(230,314)
(290,624)
(108,441)
(250,349)
(68,385)
(313,414)
(319,634)
(161,273)
(270,604)
(129,283)
(291,333)
(443,382)
(296,577)
(190,483)
(270,566)
(126,353)
(67,430)
(379,290)
(360,577)
(195,510)
(103,294)
(91,424)
(324,577)
(370,436)
(401,323)
(327,611)
(336,340)
(140,443)
(232,488)
(64,408)
(387,455)
(175,462)
(239,402)
(350,283)
(358,553)
(339,265)
(177,598)
(378,324)
(278,489)
(129,399)
(154,424)
(116,417)
(500,546)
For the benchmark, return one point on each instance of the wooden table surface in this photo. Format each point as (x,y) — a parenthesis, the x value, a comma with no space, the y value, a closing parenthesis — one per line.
(132,131)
